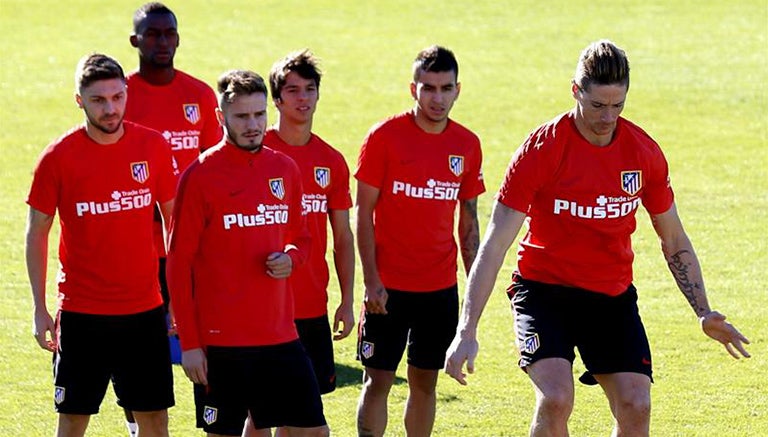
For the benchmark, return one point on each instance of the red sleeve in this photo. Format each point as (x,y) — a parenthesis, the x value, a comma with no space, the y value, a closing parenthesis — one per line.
(658,195)
(212,132)
(339,196)
(472,184)
(371,164)
(44,192)
(187,224)
(299,238)
(169,172)
(533,161)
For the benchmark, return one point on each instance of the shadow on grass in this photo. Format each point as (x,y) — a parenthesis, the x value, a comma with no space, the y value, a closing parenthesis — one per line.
(349,375)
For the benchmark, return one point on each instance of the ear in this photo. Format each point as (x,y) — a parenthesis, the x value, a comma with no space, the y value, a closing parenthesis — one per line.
(413,90)
(134,41)
(220,117)
(575,90)
(79,101)
(458,90)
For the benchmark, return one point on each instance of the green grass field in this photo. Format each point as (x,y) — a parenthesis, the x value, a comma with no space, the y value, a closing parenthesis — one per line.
(699,87)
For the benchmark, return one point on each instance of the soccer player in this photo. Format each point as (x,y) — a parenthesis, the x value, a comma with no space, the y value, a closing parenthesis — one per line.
(578,180)
(104,178)
(173,103)
(237,232)
(412,171)
(295,86)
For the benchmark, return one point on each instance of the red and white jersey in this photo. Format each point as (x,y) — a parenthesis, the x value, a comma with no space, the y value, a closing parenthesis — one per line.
(421,176)
(581,201)
(184,111)
(325,179)
(105,195)
(233,209)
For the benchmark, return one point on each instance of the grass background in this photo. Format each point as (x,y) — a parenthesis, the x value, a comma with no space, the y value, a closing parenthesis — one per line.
(699,87)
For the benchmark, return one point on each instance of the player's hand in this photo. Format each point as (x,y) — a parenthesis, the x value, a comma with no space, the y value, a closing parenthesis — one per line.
(195,365)
(279,265)
(44,330)
(715,326)
(343,320)
(375,299)
(462,350)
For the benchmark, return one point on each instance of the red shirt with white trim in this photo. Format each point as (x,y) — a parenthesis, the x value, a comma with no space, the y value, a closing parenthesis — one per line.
(105,195)
(233,209)
(325,178)
(581,201)
(184,111)
(421,176)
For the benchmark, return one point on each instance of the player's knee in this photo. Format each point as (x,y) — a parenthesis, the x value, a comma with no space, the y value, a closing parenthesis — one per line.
(633,407)
(555,403)
(377,382)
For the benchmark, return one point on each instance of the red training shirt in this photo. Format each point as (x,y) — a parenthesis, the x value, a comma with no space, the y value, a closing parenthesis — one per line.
(325,179)
(184,111)
(581,201)
(233,209)
(105,195)
(420,177)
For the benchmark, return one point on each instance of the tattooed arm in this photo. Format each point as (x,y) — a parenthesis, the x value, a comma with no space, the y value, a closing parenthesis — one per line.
(684,265)
(469,232)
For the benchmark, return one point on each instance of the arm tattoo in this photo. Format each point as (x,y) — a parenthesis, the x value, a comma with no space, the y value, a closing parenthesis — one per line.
(470,234)
(691,289)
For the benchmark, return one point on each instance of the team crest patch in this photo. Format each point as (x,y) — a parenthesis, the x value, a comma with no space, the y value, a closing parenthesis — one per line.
(210,414)
(58,394)
(140,171)
(530,344)
(277,188)
(456,164)
(367,349)
(192,112)
(631,181)
(323,176)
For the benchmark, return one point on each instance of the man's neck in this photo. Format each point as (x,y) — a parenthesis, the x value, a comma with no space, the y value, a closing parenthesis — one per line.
(293,134)
(101,137)
(157,76)
(427,125)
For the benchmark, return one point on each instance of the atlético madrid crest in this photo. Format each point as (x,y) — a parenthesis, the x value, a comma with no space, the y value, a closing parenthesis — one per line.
(58,394)
(277,188)
(140,171)
(323,176)
(456,164)
(210,414)
(192,112)
(631,181)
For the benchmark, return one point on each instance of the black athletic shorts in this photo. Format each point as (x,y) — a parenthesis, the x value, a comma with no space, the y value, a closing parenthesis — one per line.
(131,350)
(315,336)
(425,321)
(552,320)
(275,384)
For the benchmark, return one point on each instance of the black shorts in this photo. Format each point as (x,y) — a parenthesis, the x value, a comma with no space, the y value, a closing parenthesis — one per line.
(552,320)
(426,322)
(315,335)
(131,350)
(275,384)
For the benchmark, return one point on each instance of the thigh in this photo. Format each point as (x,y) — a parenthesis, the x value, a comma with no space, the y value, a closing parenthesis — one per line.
(433,318)
(614,339)
(142,375)
(315,336)
(81,363)
(221,406)
(543,314)
(290,395)
(552,378)
(383,337)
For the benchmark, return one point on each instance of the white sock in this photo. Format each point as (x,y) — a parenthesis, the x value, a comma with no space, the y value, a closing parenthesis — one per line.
(133,428)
